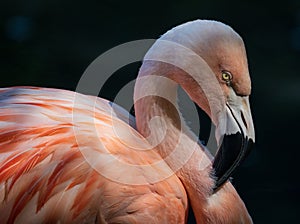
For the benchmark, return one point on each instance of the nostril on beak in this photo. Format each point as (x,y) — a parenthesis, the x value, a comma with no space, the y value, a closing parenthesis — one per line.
(244,120)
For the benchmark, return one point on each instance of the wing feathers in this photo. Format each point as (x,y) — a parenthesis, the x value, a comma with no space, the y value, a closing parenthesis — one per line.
(44,176)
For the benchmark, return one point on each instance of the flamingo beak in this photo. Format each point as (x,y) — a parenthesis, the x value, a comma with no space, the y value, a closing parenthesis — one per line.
(237,137)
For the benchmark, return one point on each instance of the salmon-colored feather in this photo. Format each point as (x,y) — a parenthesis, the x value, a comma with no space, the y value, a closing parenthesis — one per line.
(40,159)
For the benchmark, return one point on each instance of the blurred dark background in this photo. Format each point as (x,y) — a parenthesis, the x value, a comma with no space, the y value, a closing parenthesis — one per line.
(50,43)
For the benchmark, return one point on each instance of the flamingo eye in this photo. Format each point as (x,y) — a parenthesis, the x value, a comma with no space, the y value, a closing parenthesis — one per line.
(226,76)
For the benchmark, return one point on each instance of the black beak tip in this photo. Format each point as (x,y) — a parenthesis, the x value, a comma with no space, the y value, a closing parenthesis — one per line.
(233,150)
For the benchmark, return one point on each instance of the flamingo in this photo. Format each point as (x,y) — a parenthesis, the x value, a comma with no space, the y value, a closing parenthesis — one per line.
(66,157)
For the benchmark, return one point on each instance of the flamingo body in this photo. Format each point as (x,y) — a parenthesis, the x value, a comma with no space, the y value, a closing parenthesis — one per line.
(45,177)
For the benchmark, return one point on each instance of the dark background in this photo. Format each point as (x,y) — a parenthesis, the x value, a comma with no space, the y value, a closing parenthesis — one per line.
(50,43)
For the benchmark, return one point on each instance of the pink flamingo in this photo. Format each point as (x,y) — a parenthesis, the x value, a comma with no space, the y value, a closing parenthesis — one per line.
(66,162)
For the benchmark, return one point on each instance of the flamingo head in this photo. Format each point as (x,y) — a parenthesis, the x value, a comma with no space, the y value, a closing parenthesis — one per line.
(211,65)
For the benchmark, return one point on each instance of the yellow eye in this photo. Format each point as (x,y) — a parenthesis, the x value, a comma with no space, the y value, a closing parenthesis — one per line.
(226,76)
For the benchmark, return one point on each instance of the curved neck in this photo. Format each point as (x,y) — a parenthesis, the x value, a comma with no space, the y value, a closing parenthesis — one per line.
(159,120)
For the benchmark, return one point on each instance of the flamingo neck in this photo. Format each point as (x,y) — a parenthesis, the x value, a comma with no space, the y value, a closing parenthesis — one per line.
(159,120)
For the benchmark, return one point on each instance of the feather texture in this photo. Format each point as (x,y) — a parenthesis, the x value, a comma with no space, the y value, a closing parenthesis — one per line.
(61,161)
